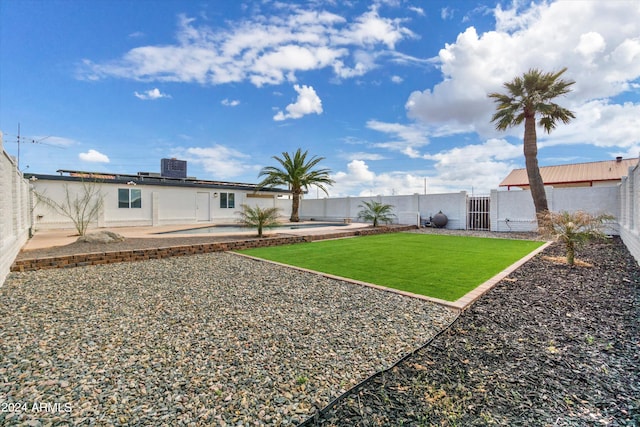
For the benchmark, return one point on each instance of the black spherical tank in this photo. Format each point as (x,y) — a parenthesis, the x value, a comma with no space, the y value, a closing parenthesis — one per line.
(439,220)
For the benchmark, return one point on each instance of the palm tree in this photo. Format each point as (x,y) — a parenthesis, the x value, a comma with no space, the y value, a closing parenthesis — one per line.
(573,229)
(376,212)
(258,217)
(528,96)
(297,173)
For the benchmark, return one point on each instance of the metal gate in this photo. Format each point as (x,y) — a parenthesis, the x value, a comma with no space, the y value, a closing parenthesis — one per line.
(478,217)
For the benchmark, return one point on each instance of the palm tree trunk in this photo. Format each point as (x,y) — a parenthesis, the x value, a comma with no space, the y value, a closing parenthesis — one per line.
(533,171)
(571,253)
(295,206)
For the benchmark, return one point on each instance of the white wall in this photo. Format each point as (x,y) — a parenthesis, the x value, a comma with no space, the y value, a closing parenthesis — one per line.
(629,211)
(408,209)
(161,205)
(511,211)
(514,210)
(15,212)
(453,205)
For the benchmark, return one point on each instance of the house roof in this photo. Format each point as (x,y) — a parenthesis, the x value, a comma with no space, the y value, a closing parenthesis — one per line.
(587,173)
(144,178)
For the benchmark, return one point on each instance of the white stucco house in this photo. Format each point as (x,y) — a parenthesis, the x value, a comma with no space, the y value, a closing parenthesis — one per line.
(152,199)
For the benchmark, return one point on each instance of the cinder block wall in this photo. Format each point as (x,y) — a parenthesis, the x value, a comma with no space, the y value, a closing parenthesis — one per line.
(629,206)
(15,211)
(407,208)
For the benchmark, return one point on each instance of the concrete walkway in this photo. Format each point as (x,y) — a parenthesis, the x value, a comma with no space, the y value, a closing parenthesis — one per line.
(50,238)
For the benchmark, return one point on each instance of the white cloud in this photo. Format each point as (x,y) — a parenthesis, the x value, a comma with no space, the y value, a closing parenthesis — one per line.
(599,123)
(361,156)
(151,94)
(397,79)
(371,29)
(407,138)
(220,161)
(307,102)
(599,45)
(93,156)
(230,102)
(476,168)
(56,141)
(591,43)
(359,180)
(480,167)
(446,13)
(262,49)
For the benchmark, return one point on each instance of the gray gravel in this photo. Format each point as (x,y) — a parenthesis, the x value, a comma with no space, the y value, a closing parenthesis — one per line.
(212,339)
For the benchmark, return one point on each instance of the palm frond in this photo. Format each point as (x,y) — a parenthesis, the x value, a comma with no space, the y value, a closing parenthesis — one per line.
(297,173)
(376,212)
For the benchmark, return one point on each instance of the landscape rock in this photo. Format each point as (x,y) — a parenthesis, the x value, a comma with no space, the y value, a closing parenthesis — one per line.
(203,340)
(103,236)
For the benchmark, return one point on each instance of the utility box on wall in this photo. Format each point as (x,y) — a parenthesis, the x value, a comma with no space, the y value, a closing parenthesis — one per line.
(173,168)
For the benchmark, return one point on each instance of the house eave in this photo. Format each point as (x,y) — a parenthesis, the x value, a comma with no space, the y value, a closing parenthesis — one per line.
(128,179)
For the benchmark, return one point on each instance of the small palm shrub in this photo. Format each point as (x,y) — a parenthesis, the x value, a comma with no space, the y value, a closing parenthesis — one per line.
(572,229)
(376,212)
(257,217)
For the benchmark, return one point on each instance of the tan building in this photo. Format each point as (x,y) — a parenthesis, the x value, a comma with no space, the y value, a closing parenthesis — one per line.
(592,174)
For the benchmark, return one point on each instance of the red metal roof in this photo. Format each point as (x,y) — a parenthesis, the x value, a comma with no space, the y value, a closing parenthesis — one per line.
(587,173)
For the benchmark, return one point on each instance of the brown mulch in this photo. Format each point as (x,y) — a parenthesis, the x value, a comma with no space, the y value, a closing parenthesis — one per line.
(549,345)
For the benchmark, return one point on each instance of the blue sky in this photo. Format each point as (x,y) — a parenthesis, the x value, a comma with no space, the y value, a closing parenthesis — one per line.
(392,92)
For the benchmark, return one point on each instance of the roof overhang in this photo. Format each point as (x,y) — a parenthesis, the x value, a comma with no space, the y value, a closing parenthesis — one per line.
(124,179)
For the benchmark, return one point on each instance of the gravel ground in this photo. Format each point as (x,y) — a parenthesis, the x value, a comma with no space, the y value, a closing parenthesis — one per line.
(551,345)
(212,339)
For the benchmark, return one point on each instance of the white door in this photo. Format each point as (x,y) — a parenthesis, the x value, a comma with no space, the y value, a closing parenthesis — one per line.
(203,207)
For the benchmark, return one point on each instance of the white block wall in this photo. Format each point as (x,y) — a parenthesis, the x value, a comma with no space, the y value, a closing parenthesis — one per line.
(15,212)
(514,210)
(629,211)
(408,209)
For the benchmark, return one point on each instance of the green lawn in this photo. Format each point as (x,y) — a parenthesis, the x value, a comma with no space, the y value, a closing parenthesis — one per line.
(445,267)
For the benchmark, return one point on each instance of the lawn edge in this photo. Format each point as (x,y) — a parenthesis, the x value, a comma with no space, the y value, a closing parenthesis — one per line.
(460,304)
(470,297)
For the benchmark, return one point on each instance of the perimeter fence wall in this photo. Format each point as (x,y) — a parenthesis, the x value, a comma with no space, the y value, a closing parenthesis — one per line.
(407,209)
(15,211)
(510,211)
(629,216)
(514,210)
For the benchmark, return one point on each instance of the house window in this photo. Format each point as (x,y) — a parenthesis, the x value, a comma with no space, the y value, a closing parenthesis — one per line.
(227,200)
(129,198)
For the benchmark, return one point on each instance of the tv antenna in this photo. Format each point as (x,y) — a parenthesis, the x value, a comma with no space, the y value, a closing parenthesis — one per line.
(22,139)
